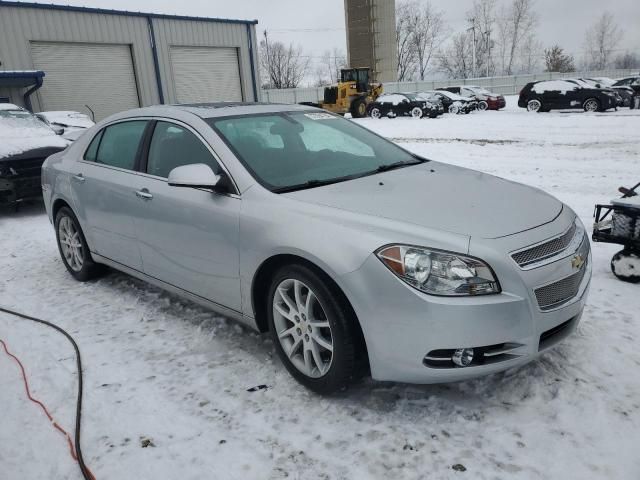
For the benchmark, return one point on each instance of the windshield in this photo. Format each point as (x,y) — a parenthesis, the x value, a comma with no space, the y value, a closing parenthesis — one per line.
(296,150)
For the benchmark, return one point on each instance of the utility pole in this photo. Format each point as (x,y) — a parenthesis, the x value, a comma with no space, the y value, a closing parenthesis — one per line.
(488,33)
(473,27)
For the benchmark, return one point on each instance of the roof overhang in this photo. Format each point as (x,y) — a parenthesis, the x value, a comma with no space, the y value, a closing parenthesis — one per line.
(20,78)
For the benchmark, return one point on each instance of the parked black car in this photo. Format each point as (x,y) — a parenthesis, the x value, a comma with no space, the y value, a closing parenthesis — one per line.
(623,94)
(454,103)
(25,143)
(403,104)
(565,94)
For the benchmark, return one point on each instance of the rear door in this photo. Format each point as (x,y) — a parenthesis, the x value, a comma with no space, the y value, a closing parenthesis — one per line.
(188,237)
(103,185)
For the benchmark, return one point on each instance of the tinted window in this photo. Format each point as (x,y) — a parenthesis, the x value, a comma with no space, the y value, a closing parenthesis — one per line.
(92,151)
(312,147)
(119,144)
(173,146)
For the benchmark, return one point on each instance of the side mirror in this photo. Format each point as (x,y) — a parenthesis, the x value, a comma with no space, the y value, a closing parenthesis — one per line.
(196,175)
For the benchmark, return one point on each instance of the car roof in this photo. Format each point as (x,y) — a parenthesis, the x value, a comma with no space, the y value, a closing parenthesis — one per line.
(219,109)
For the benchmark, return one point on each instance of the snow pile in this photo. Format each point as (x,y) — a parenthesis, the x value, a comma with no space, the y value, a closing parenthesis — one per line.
(18,135)
(554,86)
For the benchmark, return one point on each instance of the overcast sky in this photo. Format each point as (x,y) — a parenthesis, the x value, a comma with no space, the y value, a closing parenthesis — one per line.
(318,25)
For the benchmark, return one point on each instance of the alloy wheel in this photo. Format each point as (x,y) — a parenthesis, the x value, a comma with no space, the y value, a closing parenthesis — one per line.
(416,112)
(303,328)
(534,105)
(482,106)
(454,109)
(375,113)
(70,243)
(591,106)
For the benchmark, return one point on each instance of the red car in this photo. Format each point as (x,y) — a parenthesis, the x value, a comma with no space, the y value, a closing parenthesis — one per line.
(486,99)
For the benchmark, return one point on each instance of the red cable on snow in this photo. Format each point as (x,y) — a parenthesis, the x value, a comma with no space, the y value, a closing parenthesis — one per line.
(38,402)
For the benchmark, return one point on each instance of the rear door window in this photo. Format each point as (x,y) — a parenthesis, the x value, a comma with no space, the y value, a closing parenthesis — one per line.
(120,143)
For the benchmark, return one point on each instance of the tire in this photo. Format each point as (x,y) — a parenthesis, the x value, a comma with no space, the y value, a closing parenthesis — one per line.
(482,106)
(454,109)
(625,265)
(375,113)
(416,112)
(333,324)
(70,239)
(534,105)
(591,105)
(358,108)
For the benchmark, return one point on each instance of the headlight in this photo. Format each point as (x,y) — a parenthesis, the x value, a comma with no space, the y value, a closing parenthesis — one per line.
(438,272)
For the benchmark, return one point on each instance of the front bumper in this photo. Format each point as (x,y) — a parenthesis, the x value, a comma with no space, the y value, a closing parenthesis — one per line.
(403,327)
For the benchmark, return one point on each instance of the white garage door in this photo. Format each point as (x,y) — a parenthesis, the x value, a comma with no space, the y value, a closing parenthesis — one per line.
(206,74)
(79,74)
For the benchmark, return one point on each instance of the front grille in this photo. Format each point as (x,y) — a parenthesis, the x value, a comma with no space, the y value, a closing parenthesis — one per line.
(23,177)
(558,293)
(24,168)
(545,250)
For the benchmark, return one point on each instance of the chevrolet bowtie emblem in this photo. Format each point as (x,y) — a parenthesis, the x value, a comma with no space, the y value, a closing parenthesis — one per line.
(577,262)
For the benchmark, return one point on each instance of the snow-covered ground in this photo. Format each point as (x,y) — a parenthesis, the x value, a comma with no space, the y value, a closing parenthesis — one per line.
(160,368)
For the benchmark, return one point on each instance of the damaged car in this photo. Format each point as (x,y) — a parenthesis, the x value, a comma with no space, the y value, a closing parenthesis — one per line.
(25,143)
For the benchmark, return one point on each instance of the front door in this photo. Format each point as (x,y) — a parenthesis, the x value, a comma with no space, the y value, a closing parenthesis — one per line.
(188,237)
(102,187)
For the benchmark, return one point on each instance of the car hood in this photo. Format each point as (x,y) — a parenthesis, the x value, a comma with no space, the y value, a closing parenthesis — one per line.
(441,197)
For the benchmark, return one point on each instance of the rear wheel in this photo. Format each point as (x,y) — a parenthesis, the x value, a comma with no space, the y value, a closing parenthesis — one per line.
(73,247)
(534,105)
(358,108)
(626,266)
(591,105)
(313,331)
(416,112)
(375,113)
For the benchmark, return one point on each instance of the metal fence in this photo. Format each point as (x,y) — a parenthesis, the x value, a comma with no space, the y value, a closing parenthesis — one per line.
(508,85)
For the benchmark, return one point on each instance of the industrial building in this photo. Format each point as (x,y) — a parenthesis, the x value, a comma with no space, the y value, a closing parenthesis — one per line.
(371,37)
(98,61)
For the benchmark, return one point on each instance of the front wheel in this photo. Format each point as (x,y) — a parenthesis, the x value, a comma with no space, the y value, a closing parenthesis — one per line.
(416,112)
(482,106)
(358,109)
(312,330)
(626,266)
(591,105)
(454,109)
(73,247)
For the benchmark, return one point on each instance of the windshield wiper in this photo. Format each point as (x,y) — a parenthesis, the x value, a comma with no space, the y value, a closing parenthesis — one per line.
(310,184)
(396,165)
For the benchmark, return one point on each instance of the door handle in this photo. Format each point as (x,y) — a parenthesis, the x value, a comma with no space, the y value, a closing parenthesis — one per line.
(144,194)
(79,178)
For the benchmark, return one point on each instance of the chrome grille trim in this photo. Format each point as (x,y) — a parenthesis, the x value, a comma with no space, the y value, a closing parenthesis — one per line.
(560,292)
(550,250)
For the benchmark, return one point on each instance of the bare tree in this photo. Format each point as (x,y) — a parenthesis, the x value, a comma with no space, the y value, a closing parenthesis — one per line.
(482,17)
(456,60)
(600,41)
(282,66)
(328,70)
(627,61)
(516,23)
(529,54)
(405,47)
(427,30)
(557,61)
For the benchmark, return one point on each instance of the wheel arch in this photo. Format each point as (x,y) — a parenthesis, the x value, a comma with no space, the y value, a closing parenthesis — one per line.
(57,204)
(260,285)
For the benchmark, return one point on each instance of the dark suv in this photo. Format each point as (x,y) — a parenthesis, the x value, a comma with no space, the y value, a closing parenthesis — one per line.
(565,94)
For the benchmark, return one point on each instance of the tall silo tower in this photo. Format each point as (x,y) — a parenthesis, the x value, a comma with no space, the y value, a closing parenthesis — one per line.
(371,42)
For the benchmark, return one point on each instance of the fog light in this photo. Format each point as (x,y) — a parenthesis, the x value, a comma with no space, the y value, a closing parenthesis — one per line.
(462,357)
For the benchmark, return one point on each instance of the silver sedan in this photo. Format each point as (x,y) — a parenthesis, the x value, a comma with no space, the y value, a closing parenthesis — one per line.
(354,254)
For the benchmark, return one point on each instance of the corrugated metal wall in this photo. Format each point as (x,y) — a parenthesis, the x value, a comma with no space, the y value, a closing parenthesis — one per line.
(19,26)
